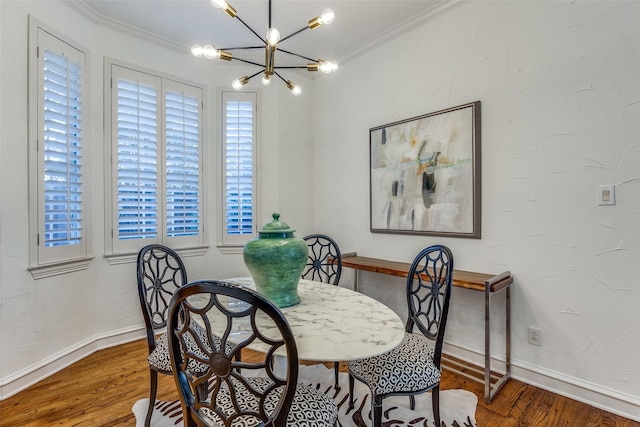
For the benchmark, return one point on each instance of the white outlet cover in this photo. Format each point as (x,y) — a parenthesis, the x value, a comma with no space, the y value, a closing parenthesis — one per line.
(606,195)
(534,336)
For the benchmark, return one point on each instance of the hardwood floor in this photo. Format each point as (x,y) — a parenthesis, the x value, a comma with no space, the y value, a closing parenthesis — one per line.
(101,389)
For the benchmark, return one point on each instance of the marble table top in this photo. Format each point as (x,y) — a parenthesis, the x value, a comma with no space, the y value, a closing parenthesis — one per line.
(334,324)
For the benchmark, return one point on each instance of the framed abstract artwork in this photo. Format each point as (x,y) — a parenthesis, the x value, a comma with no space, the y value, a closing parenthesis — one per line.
(425,174)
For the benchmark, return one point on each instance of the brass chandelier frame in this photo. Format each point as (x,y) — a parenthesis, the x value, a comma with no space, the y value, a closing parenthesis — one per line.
(270,45)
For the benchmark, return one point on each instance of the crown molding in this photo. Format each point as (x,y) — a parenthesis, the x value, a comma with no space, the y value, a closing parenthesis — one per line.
(438,9)
(113,24)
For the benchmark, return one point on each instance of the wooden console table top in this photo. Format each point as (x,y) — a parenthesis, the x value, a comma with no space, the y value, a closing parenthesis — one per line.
(462,279)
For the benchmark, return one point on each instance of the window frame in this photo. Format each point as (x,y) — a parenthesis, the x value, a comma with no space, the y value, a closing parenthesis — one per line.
(51,261)
(228,243)
(119,251)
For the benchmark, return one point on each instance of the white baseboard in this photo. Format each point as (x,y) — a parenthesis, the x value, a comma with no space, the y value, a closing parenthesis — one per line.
(30,375)
(613,401)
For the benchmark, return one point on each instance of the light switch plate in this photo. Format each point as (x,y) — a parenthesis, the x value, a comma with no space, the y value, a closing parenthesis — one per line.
(606,195)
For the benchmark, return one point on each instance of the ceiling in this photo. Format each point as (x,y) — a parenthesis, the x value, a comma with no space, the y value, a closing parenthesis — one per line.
(358,23)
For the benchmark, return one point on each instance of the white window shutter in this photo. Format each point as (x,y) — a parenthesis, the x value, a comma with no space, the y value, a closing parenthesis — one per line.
(239,143)
(182,147)
(137,160)
(63,222)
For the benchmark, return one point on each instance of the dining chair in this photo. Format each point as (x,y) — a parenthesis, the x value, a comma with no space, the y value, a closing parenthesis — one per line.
(414,366)
(324,264)
(215,388)
(160,272)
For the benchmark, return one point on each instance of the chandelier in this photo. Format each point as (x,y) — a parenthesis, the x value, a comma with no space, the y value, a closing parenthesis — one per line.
(270,44)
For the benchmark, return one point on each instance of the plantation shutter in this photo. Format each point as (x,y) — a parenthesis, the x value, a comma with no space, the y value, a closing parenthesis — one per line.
(239,140)
(182,147)
(63,220)
(137,159)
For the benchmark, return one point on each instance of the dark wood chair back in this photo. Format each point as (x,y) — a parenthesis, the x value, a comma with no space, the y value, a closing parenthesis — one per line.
(215,388)
(160,271)
(428,291)
(324,263)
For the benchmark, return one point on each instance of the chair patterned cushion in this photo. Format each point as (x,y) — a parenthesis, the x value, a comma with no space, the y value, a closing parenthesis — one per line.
(407,368)
(159,358)
(310,408)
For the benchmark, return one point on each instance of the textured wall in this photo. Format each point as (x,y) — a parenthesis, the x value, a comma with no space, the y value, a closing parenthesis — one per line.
(559,84)
(560,92)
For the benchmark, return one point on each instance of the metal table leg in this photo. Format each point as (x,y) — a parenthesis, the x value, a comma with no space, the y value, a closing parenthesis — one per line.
(491,390)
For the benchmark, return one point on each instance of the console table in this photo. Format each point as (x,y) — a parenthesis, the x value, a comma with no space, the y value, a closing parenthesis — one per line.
(487,283)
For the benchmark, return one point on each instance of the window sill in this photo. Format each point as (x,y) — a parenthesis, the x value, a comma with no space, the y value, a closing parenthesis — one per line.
(44,271)
(231,249)
(126,258)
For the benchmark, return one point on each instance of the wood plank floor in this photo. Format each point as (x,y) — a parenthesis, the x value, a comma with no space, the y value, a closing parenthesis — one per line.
(101,389)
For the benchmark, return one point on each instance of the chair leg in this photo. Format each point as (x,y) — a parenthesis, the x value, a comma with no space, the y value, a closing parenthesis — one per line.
(376,409)
(336,368)
(188,420)
(153,388)
(435,403)
(351,380)
(412,402)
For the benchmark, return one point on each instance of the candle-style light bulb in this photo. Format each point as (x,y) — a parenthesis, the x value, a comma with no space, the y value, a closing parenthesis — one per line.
(328,66)
(273,36)
(238,83)
(210,52)
(294,88)
(197,50)
(327,16)
(220,4)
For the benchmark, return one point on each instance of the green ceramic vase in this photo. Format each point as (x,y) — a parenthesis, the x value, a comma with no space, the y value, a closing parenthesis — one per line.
(275,261)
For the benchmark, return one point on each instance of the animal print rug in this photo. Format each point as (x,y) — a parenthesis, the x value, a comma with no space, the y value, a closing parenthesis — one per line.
(457,407)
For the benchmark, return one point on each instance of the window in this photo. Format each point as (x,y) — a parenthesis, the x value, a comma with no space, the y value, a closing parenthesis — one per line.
(156,179)
(59,200)
(239,124)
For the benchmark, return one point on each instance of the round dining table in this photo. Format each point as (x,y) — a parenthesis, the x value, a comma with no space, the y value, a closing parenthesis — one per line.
(332,324)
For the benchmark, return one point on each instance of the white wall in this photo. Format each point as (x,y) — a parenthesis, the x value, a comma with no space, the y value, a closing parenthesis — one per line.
(559,84)
(48,323)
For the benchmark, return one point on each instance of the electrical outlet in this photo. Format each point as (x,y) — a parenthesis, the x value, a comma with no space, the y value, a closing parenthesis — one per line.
(535,336)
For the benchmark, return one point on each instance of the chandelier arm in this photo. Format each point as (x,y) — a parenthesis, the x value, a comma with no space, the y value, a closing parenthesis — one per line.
(243,47)
(250,29)
(248,62)
(255,74)
(298,55)
(293,34)
(281,78)
(291,67)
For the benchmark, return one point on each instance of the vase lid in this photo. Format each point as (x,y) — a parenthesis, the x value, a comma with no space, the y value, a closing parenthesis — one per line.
(276,226)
